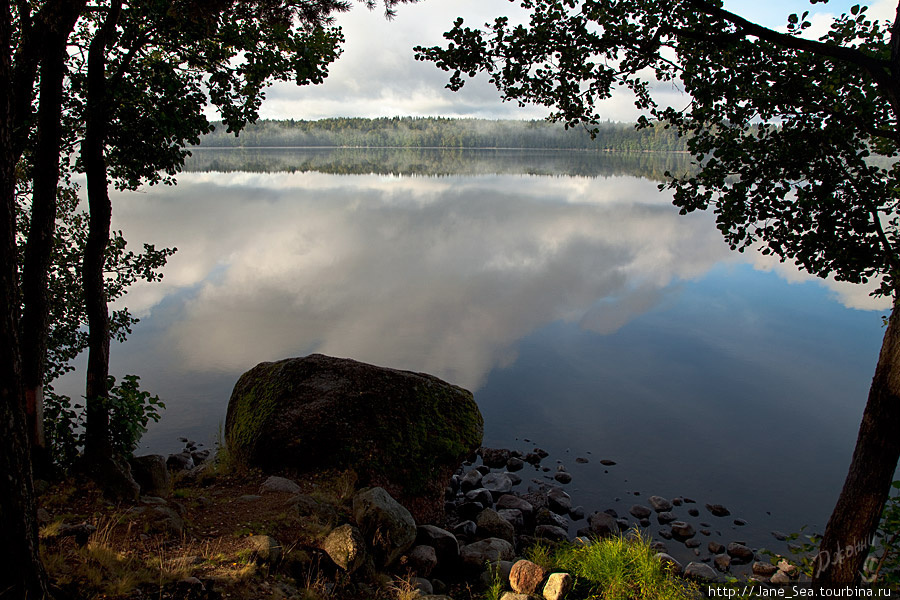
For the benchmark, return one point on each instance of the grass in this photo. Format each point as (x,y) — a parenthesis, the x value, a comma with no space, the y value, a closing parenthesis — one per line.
(620,567)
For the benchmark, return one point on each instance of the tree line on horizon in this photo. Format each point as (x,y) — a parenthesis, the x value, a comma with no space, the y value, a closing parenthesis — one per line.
(444,132)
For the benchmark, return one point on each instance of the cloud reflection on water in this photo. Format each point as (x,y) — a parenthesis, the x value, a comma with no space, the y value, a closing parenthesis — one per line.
(437,275)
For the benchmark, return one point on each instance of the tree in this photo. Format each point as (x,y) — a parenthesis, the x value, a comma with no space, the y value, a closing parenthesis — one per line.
(783,129)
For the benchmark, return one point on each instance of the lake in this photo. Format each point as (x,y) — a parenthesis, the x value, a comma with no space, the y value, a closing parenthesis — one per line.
(562,289)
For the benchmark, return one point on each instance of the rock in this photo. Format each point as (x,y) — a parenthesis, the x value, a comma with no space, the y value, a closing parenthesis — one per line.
(779,536)
(278,485)
(526,577)
(533,458)
(640,512)
(763,569)
(423,560)
(491,525)
(318,412)
(495,457)
(346,547)
(668,560)
(780,578)
(515,464)
(509,501)
(699,572)
(471,480)
(722,562)
(602,525)
(739,553)
(422,586)
(682,530)
(465,529)
(80,531)
(165,520)
(515,596)
(388,528)
(562,477)
(558,585)
(445,545)
(151,474)
(481,496)
(265,548)
(607,462)
(114,478)
(692,543)
(537,499)
(497,484)
(200,456)
(715,548)
(513,478)
(182,461)
(659,503)
(718,510)
(740,522)
(558,501)
(308,507)
(788,569)
(475,555)
(666,517)
(550,532)
(548,517)
(513,516)
(577,513)
(693,512)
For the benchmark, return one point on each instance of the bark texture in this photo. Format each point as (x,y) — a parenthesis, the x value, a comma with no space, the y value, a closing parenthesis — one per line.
(855,518)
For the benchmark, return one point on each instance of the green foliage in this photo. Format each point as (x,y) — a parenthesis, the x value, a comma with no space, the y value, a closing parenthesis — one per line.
(130,411)
(782,128)
(883,565)
(803,547)
(621,567)
(495,588)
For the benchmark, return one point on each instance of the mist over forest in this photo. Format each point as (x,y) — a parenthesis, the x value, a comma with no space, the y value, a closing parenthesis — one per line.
(440,132)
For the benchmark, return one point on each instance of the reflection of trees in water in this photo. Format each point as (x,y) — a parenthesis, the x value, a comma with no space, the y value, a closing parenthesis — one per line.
(437,162)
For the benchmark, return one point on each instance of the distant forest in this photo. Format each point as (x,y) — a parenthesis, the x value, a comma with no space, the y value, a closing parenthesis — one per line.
(440,132)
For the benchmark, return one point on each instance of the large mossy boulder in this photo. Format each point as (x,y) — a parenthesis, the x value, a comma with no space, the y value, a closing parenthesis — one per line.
(404,431)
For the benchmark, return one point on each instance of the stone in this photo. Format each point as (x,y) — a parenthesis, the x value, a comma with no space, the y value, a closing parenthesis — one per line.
(640,512)
(763,569)
(151,474)
(562,477)
(526,577)
(559,501)
(739,553)
(475,555)
(557,586)
(577,513)
(669,561)
(602,525)
(682,530)
(509,501)
(491,525)
(181,461)
(278,485)
(607,462)
(659,503)
(552,533)
(480,495)
(114,478)
(422,586)
(318,412)
(780,578)
(445,544)
(515,596)
(495,457)
(548,517)
(515,464)
(465,529)
(388,528)
(693,512)
(666,517)
(692,543)
(165,520)
(471,480)
(699,572)
(717,510)
(265,548)
(497,484)
(423,560)
(537,499)
(715,548)
(740,522)
(722,562)
(346,547)
(788,569)
(513,516)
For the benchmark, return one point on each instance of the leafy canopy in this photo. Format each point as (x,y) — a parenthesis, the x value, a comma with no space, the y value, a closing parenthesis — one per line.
(795,137)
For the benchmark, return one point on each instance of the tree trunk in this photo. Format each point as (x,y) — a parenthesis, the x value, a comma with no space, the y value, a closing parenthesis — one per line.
(855,519)
(39,246)
(97,439)
(22,575)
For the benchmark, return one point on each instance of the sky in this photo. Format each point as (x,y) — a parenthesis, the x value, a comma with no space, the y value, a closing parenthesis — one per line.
(377,74)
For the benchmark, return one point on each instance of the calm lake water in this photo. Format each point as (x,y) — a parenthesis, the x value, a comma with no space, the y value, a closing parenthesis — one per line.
(563,289)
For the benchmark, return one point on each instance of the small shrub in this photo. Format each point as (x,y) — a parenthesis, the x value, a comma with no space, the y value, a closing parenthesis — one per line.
(883,564)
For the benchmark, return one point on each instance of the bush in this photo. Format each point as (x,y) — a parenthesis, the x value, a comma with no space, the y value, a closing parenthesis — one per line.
(130,411)
(883,564)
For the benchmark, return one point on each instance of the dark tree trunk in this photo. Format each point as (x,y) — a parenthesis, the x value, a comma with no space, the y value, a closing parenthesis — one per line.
(97,440)
(22,575)
(39,246)
(858,511)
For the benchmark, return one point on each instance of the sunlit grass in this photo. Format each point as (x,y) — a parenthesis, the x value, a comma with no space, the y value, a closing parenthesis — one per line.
(620,567)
